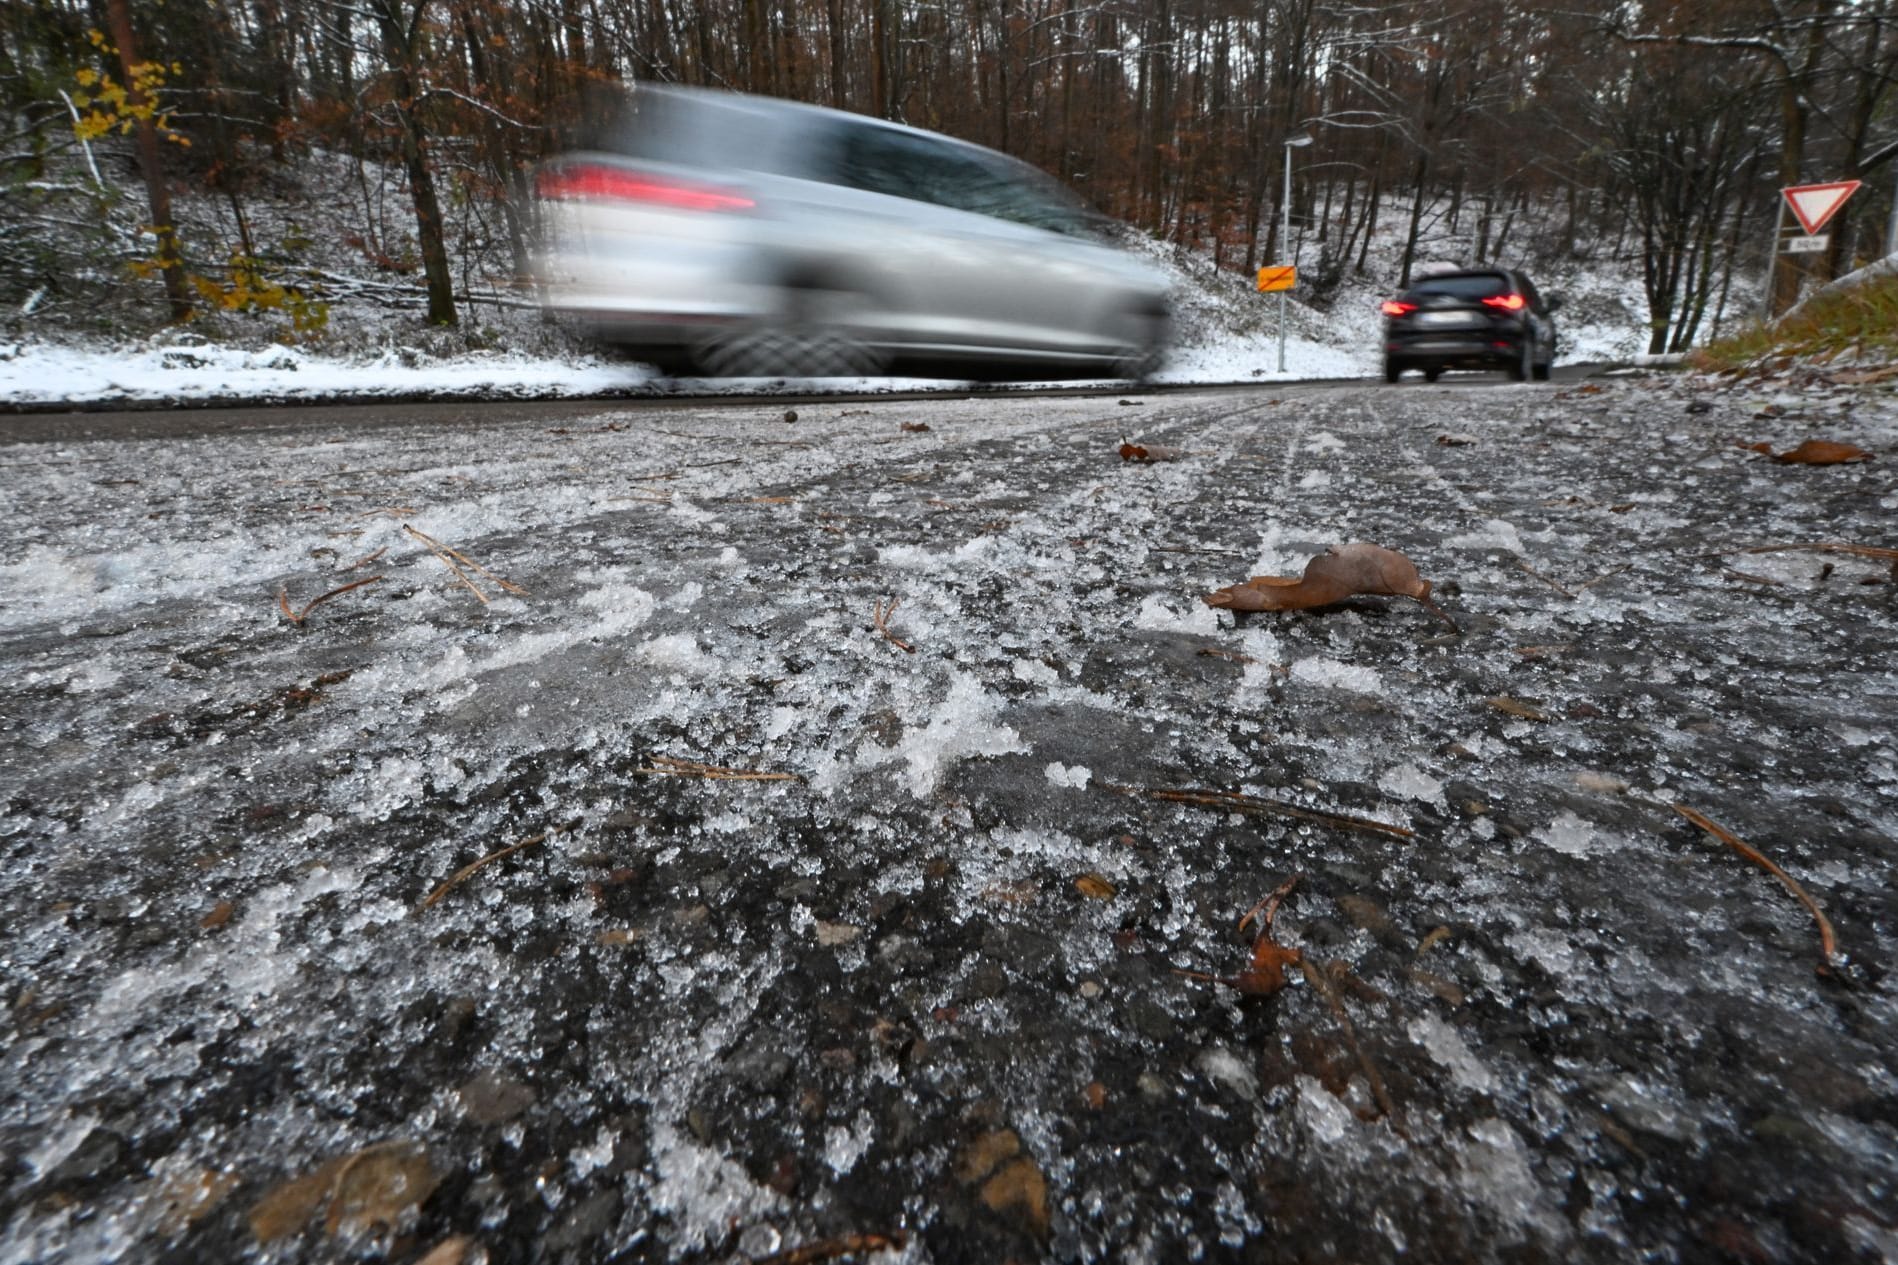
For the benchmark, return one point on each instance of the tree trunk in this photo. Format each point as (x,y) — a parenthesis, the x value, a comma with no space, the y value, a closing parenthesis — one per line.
(1419,173)
(400,40)
(151,162)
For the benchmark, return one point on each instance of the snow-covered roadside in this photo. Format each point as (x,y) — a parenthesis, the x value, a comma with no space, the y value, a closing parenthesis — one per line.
(1227,334)
(36,373)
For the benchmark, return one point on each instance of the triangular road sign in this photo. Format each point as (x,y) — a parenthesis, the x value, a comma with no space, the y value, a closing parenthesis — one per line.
(1814,204)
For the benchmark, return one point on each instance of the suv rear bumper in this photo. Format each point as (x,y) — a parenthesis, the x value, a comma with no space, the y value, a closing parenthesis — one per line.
(1486,350)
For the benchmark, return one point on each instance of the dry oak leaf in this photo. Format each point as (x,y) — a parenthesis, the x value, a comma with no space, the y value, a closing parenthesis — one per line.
(376,1186)
(1265,974)
(1342,571)
(1814,452)
(1148,453)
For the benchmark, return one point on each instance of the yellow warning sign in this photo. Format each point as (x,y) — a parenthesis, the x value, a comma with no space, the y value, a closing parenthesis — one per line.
(1277,278)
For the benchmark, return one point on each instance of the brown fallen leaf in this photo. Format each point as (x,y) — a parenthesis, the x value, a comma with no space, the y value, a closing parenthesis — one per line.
(1020,1187)
(986,1154)
(187,1198)
(1265,974)
(1342,571)
(1514,707)
(1148,453)
(219,915)
(450,1251)
(1813,452)
(916,428)
(1094,887)
(375,1186)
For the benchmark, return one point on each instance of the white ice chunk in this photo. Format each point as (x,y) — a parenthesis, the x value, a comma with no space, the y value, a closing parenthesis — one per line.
(1063,775)
(1407,781)
(1446,1045)
(1331,674)
(1493,534)
(1156,614)
(962,725)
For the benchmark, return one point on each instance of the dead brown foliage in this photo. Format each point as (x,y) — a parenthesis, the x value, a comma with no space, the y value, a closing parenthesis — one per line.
(1341,572)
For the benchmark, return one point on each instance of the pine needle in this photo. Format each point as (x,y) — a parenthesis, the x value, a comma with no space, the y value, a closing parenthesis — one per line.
(1235,802)
(297,617)
(668,766)
(465,872)
(1828,942)
(452,557)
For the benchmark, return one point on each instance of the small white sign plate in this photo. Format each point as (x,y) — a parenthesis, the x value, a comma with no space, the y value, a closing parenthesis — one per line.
(1813,244)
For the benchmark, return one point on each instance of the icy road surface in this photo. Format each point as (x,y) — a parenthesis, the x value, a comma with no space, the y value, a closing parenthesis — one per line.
(933,983)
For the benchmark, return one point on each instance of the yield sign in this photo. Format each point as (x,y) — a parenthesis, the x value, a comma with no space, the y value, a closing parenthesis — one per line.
(1814,204)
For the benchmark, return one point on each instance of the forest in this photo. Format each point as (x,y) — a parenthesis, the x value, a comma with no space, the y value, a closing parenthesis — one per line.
(1649,134)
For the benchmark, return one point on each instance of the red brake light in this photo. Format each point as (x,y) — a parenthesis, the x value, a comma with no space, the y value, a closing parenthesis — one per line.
(1391,307)
(587,183)
(1507,302)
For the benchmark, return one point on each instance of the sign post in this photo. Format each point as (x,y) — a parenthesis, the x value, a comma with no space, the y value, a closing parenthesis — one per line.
(1813,205)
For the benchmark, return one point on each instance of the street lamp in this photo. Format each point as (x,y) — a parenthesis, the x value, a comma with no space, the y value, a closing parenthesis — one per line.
(1298,141)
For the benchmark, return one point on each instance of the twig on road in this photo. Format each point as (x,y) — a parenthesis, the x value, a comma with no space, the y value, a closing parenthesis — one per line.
(451,557)
(297,617)
(1828,942)
(461,875)
(831,1249)
(882,618)
(1235,802)
(668,766)
(1526,569)
(1318,975)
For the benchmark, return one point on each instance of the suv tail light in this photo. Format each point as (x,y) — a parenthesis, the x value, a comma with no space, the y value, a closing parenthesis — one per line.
(594,182)
(1391,307)
(1507,302)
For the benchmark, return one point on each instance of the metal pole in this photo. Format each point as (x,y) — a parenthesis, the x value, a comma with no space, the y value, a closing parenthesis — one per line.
(1285,235)
(1772,262)
(1891,225)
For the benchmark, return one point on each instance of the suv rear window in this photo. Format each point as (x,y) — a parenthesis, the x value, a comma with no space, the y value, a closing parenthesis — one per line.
(1464,285)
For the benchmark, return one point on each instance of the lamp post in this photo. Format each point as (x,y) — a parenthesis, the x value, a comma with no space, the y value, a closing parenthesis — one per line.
(1297,141)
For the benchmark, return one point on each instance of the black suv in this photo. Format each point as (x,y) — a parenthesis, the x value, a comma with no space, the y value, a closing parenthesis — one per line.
(1479,318)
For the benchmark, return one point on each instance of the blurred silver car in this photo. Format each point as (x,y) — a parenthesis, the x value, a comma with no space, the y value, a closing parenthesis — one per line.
(735,236)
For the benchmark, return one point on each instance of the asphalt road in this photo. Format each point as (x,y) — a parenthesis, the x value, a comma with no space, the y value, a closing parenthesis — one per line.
(843,840)
(145,419)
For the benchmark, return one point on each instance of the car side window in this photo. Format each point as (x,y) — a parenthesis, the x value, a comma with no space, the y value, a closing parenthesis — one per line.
(881,160)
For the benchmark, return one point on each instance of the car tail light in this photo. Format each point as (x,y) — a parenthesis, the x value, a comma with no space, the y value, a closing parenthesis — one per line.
(588,182)
(1507,302)
(1391,307)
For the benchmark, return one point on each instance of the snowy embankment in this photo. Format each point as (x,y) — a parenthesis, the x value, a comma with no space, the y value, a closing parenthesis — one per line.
(1227,334)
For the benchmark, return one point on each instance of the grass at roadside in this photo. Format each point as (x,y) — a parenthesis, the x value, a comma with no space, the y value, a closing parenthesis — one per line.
(1858,324)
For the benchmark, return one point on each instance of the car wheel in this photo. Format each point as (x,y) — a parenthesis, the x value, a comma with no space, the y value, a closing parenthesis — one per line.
(1541,371)
(1392,370)
(1520,367)
(815,335)
(1432,374)
(1143,337)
